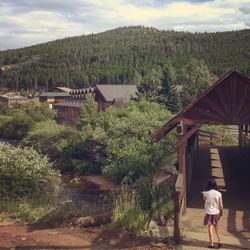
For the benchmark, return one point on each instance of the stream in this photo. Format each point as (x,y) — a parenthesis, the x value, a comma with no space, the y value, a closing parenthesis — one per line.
(82,195)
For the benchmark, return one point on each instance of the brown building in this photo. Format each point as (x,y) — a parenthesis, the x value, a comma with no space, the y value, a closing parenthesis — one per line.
(13,100)
(111,94)
(69,111)
(60,89)
(55,95)
(105,95)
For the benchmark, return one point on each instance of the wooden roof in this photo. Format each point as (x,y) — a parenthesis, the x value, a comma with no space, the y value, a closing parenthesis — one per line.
(227,101)
(117,91)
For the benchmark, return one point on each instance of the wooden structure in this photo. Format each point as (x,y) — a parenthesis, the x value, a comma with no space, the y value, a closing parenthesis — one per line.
(60,89)
(225,102)
(54,97)
(11,101)
(105,96)
(68,112)
(114,94)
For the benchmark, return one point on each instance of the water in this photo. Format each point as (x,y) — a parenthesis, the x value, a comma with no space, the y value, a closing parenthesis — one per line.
(81,195)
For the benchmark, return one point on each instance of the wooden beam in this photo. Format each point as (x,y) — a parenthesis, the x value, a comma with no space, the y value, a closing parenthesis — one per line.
(222,100)
(187,135)
(203,115)
(242,99)
(214,106)
(233,96)
(245,112)
(179,183)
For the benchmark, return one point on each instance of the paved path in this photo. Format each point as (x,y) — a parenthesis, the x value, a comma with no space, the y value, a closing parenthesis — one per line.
(233,180)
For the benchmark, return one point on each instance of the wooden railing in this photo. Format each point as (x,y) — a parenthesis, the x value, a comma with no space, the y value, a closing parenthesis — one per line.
(179,202)
(210,137)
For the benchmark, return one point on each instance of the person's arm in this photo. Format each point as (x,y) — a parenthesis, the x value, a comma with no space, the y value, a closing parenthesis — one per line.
(203,195)
(221,206)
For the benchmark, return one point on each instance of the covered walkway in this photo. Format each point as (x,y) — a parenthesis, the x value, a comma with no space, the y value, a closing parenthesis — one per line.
(226,102)
(232,177)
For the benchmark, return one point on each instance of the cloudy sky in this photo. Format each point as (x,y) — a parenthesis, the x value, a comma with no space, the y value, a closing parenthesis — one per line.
(28,22)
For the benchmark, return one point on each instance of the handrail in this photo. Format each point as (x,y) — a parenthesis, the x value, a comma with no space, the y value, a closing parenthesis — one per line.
(179,183)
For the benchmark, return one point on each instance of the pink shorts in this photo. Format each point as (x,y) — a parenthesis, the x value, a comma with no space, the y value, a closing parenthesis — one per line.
(211,219)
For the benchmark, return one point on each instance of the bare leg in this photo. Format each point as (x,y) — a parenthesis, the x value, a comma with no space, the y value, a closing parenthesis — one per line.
(217,232)
(210,233)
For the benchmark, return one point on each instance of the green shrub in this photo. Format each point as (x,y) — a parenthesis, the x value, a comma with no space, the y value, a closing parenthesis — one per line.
(16,127)
(135,207)
(118,141)
(47,137)
(83,155)
(36,111)
(25,174)
(128,213)
(4,109)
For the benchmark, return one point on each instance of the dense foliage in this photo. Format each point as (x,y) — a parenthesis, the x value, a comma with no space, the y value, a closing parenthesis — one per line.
(26,174)
(118,142)
(47,137)
(135,207)
(122,55)
(17,121)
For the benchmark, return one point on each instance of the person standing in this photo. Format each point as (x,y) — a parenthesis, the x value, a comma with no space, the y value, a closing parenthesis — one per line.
(213,209)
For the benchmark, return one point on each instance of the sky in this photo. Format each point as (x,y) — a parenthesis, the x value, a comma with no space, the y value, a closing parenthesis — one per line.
(29,22)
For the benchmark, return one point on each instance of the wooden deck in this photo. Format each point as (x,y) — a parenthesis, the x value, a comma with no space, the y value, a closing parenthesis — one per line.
(233,177)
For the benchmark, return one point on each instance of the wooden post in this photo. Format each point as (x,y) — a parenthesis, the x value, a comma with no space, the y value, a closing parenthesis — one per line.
(211,139)
(182,162)
(240,136)
(177,217)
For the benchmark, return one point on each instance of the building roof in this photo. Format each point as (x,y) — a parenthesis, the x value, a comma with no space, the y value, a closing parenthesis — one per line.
(113,91)
(225,102)
(64,89)
(15,97)
(82,91)
(55,94)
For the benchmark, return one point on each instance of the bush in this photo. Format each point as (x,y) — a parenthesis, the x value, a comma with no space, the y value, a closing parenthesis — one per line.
(83,155)
(16,127)
(36,111)
(47,137)
(25,174)
(118,142)
(136,206)
(128,213)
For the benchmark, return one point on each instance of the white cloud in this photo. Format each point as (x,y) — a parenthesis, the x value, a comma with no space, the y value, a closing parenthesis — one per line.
(26,22)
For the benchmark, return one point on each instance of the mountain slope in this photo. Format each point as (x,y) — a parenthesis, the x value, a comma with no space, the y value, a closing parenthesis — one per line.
(118,55)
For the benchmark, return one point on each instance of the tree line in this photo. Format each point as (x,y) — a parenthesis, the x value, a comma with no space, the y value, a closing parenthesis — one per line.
(123,55)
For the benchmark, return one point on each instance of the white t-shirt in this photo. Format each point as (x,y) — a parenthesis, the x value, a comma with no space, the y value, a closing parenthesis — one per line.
(212,201)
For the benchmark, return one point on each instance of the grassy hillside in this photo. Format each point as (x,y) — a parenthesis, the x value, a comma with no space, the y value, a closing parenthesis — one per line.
(119,56)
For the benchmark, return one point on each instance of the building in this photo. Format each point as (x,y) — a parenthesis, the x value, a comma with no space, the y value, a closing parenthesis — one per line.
(54,97)
(11,101)
(60,89)
(68,112)
(105,95)
(110,94)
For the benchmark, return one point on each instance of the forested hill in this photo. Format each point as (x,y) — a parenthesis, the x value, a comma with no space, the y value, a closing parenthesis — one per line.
(120,56)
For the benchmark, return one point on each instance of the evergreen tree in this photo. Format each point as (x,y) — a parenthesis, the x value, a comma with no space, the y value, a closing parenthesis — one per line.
(196,79)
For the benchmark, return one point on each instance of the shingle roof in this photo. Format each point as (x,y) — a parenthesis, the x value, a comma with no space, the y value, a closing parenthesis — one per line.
(55,94)
(112,91)
(16,97)
(225,102)
(65,89)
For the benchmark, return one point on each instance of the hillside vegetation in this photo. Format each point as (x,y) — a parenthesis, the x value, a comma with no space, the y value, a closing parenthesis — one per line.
(122,55)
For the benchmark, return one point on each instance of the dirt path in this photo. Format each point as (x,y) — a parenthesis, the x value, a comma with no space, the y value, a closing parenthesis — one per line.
(14,235)
(233,179)
(24,237)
